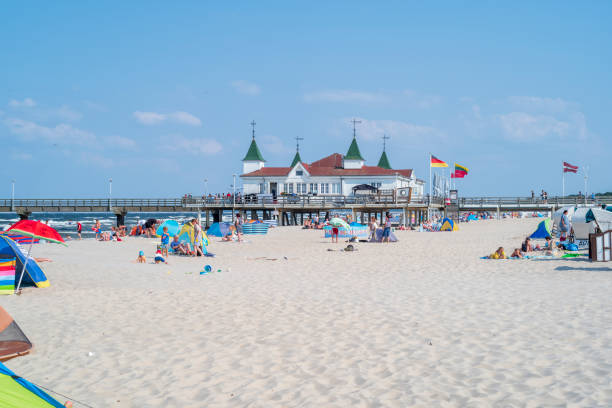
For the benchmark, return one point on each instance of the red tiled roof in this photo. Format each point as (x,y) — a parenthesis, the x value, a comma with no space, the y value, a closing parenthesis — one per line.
(334,160)
(364,171)
(329,166)
(269,172)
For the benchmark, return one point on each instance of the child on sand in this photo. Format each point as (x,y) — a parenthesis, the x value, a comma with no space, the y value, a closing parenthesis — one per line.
(141,257)
(165,241)
(159,257)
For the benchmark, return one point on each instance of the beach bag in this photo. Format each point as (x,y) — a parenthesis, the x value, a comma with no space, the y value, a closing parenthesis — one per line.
(571,247)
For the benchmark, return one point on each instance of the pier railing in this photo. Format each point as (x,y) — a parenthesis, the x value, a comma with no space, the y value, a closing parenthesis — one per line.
(294,202)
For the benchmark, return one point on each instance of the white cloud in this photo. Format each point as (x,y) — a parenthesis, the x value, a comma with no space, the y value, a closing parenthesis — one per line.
(521,126)
(149,118)
(154,118)
(21,156)
(340,95)
(26,103)
(93,159)
(536,103)
(423,101)
(274,145)
(245,87)
(62,133)
(185,118)
(66,113)
(95,106)
(193,146)
(375,129)
(121,142)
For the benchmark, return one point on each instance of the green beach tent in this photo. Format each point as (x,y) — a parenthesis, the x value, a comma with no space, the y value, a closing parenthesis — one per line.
(544,230)
(17,392)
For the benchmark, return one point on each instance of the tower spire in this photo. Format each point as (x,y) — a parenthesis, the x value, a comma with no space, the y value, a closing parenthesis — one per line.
(297,159)
(384,160)
(385,138)
(355,121)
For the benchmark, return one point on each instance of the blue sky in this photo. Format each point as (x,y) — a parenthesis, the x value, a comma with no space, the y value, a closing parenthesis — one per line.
(159,96)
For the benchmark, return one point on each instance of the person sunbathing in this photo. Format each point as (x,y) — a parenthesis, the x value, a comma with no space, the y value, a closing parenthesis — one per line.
(499,254)
(517,254)
(528,247)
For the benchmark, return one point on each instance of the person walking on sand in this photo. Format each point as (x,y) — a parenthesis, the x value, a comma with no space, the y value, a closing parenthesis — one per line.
(387,230)
(197,228)
(79,229)
(564,225)
(373,228)
(238,224)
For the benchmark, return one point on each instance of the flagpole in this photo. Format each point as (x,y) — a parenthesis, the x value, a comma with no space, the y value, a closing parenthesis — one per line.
(430,177)
(563,177)
(585,170)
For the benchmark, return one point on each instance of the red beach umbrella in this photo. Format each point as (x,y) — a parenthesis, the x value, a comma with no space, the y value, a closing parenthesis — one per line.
(37,229)
(34,229)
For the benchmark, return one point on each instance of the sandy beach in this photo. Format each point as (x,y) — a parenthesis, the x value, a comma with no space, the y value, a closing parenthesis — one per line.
(423,322)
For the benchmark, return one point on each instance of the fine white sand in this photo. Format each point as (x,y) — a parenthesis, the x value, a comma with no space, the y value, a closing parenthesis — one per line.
(423,322)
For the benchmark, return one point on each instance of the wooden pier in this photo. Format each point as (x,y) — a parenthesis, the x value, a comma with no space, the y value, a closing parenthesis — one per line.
(292,210)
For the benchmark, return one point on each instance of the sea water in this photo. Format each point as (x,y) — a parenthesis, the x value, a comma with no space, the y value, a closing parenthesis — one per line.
(66,223)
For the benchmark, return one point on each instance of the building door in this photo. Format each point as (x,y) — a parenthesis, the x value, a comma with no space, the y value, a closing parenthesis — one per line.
(273,189)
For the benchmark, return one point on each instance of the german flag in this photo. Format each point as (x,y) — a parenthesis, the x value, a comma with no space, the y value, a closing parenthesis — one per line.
(435,162)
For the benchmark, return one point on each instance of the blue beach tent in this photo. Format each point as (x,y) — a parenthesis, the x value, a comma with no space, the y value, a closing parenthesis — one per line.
(172,225)
(219,229)
(472,217)
(34,276)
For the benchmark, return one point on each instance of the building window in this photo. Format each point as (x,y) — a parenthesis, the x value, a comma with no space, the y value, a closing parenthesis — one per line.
(290,188)
(377,185)
(301,188)
(314,188)
(262,188)
(299,172)
(324,188)
(336,188)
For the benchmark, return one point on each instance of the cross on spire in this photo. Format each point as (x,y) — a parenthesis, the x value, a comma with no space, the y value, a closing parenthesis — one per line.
(354,129)
(253,126)
(385,138)
(297,143)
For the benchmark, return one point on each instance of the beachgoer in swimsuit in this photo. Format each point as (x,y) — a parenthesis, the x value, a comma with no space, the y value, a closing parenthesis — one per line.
(238,224)
(387,230)
(373,228)
(499,254)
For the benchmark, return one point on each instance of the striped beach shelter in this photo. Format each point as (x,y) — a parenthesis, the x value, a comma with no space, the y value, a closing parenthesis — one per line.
(7,276)
(17,392)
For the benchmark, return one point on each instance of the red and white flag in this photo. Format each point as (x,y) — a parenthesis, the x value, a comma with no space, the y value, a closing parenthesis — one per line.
(568,168)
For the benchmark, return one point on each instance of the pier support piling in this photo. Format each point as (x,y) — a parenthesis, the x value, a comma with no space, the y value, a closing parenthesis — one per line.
(120,214)
(23,214)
